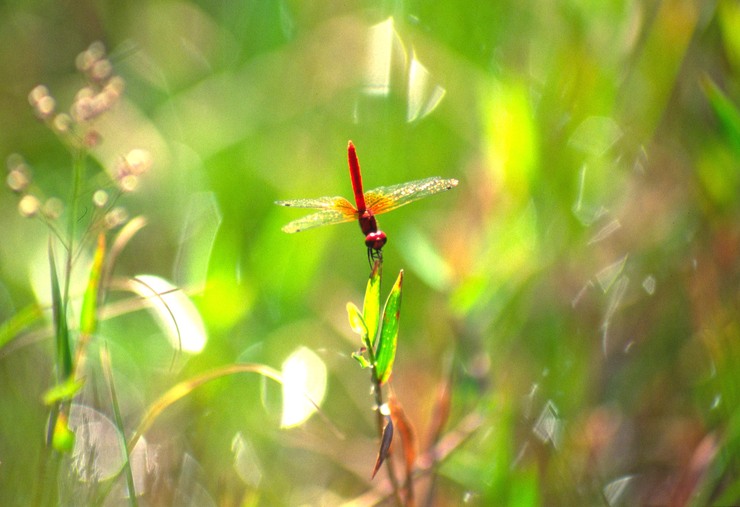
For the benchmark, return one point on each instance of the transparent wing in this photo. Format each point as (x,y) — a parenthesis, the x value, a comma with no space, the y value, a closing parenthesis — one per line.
(318,203)
(325,217)
(384,199)
(334,210)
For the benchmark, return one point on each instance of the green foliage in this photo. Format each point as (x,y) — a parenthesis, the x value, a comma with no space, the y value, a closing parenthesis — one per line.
(89,312)
(371,306)
(385,354)
(64,391)
(379,338)
(61,331)
(575,297)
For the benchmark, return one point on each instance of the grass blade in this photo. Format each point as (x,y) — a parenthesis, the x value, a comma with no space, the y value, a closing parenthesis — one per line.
(63,391)
(61,331)
(108,374)
(725,109)
(12,327)
(91,299)
(182,389)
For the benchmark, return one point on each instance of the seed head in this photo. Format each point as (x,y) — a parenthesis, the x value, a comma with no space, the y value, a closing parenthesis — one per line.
(62,123)
(128,183)
(53,208)
(139,161)
(100,70)
(115,217)
(88,58)
(130,167)
(14,160)
(28,206)
(92,138)
(100,198)
(18,180)
(42,103)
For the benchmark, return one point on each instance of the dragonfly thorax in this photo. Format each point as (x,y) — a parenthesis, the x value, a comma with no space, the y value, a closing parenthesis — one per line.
(368,224)
(374,239)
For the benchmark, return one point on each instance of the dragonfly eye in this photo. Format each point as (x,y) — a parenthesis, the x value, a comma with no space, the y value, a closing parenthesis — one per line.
(375,240)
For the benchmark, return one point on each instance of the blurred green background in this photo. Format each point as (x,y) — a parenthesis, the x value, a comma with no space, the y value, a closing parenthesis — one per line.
(577,295)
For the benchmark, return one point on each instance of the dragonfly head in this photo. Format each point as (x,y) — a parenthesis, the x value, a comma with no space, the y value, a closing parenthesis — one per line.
(375,240)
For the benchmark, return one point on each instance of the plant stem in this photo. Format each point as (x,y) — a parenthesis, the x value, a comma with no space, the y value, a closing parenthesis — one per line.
(78,174)
(380,420)
(108,373)
(378,391)
(370,343)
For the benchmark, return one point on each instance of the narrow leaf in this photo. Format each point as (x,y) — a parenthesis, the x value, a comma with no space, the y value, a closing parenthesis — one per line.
(105,363)
(357,356)
(63,391)
(64,354)
(407,432)
(386,352)
(371,305)
(89,313)
(12,327)
(125,235)
(385,446)
(725,109)
(356,322)
(185,387)
(441,409)
(63,438)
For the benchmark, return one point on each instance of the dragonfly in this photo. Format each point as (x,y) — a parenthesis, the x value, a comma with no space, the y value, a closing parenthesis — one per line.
(336,210)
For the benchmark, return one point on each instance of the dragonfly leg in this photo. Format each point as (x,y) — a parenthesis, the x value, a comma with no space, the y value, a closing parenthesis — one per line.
(374,255)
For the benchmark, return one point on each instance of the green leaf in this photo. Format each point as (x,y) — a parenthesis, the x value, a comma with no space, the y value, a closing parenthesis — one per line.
(89,313)
(364,363)
(727,112)
(63,391)
(386,352)
(371,305)
(63,439)
(356,321)
(12,327)
(64,354)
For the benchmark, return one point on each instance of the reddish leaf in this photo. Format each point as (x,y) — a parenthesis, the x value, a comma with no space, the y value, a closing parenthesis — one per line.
(385,446)
(406,430)
(441,411)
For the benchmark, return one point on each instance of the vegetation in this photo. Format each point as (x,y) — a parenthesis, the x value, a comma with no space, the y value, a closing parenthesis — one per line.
(571,311)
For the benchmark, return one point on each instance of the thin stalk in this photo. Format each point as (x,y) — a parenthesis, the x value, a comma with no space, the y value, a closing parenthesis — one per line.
(378,391)
(78,176)
(50,466)
(108,372)
(380,420)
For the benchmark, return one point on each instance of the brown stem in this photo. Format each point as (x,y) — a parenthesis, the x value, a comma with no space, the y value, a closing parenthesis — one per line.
(380,419)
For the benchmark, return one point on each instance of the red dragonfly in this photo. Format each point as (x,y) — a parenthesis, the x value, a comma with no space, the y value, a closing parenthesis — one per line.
(335,210)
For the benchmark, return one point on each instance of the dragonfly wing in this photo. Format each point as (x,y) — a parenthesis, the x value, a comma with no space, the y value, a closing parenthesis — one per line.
(384,199)
(334,210)
(339,203)
(323,217)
